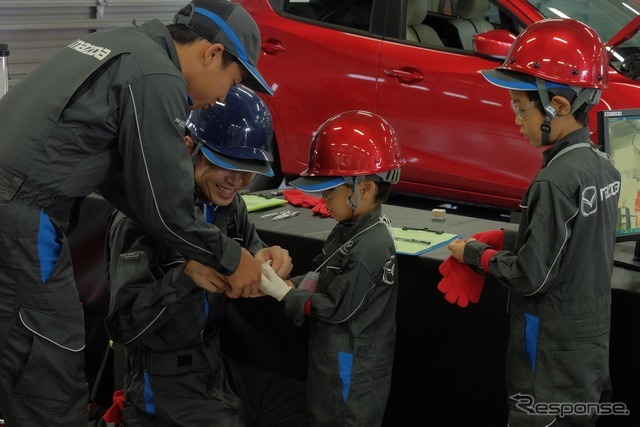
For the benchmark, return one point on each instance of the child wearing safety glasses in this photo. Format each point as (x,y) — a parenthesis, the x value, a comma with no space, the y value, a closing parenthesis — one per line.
(559,272)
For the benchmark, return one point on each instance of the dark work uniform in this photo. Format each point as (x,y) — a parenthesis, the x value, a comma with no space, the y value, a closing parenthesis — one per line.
(99,115)
(352,319)
(176,374)
(560,281)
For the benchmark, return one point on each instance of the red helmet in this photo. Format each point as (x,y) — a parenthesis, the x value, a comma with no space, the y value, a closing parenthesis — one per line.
(556,55)
(557,50)
(354,143)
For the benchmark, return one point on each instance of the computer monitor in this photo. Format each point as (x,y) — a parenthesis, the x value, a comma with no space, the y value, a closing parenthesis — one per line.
(619,135)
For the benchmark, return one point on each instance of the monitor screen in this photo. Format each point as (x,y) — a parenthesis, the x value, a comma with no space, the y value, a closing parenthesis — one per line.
(619,134)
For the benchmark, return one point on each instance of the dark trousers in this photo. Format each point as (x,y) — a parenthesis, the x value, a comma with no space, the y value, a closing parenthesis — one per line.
(242,396)
(269,399)
(42,381)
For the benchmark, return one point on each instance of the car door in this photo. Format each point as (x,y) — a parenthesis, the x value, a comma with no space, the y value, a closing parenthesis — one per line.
(321,59)
(457,131)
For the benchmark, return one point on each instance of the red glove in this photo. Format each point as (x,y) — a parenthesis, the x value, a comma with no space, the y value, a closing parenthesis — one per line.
(299,198)
(460,283)
(114,413)
(321,209)
(493,238)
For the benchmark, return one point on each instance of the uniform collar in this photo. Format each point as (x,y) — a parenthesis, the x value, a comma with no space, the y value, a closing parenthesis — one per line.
(575,137)
(159,33)
(349,228)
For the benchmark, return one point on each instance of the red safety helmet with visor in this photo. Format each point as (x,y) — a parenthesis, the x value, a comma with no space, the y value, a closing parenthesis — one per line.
(557,50)
(351,144)
(557,55)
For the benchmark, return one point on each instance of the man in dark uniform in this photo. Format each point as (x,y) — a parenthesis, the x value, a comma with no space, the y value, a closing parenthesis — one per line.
(559,273)
(169,326)
(105,119)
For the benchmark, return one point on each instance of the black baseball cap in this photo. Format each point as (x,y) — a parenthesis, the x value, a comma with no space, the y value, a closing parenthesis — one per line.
(221,21)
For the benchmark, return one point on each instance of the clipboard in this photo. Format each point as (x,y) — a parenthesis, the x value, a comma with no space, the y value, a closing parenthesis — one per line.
(417,242)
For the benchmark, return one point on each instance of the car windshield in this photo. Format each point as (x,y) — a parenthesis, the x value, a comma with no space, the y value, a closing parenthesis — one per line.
(606,17)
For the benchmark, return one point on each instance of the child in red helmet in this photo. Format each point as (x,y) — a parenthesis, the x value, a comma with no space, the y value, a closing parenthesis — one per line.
(559,272)
(350,296)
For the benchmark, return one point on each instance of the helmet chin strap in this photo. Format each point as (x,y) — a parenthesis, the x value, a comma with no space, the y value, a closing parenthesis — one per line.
(196,150)
(585,96)
(194,158)
(353,204)
(353,200)
(549,111)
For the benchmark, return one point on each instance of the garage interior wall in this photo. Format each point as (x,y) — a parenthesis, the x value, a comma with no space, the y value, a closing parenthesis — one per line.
(36,29)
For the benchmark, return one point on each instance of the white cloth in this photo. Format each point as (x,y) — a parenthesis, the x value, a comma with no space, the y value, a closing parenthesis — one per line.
(271,284)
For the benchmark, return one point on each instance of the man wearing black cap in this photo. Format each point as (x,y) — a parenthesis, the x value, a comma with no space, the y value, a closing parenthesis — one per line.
(106,119)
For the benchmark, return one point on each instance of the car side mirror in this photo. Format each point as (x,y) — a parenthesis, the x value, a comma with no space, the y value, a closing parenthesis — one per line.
(494,43)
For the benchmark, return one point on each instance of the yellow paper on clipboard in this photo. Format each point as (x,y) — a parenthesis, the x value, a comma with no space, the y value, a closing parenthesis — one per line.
(256,203)
(417,242)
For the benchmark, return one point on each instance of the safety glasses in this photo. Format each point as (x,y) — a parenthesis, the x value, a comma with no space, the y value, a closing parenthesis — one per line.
(521,111)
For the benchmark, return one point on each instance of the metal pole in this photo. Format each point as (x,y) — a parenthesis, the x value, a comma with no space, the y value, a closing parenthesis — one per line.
(4,69)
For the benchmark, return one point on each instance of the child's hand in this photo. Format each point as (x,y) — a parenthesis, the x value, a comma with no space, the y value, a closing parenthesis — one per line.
(271,284)
(457,249)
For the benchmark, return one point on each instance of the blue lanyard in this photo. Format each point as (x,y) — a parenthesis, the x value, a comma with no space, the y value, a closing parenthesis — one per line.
(209,213)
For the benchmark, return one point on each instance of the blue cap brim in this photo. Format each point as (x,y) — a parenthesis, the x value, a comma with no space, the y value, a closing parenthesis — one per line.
(225,162)
(517,81)
(317,183)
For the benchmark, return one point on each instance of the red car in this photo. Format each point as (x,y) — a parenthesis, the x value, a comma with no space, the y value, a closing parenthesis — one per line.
(416,63)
